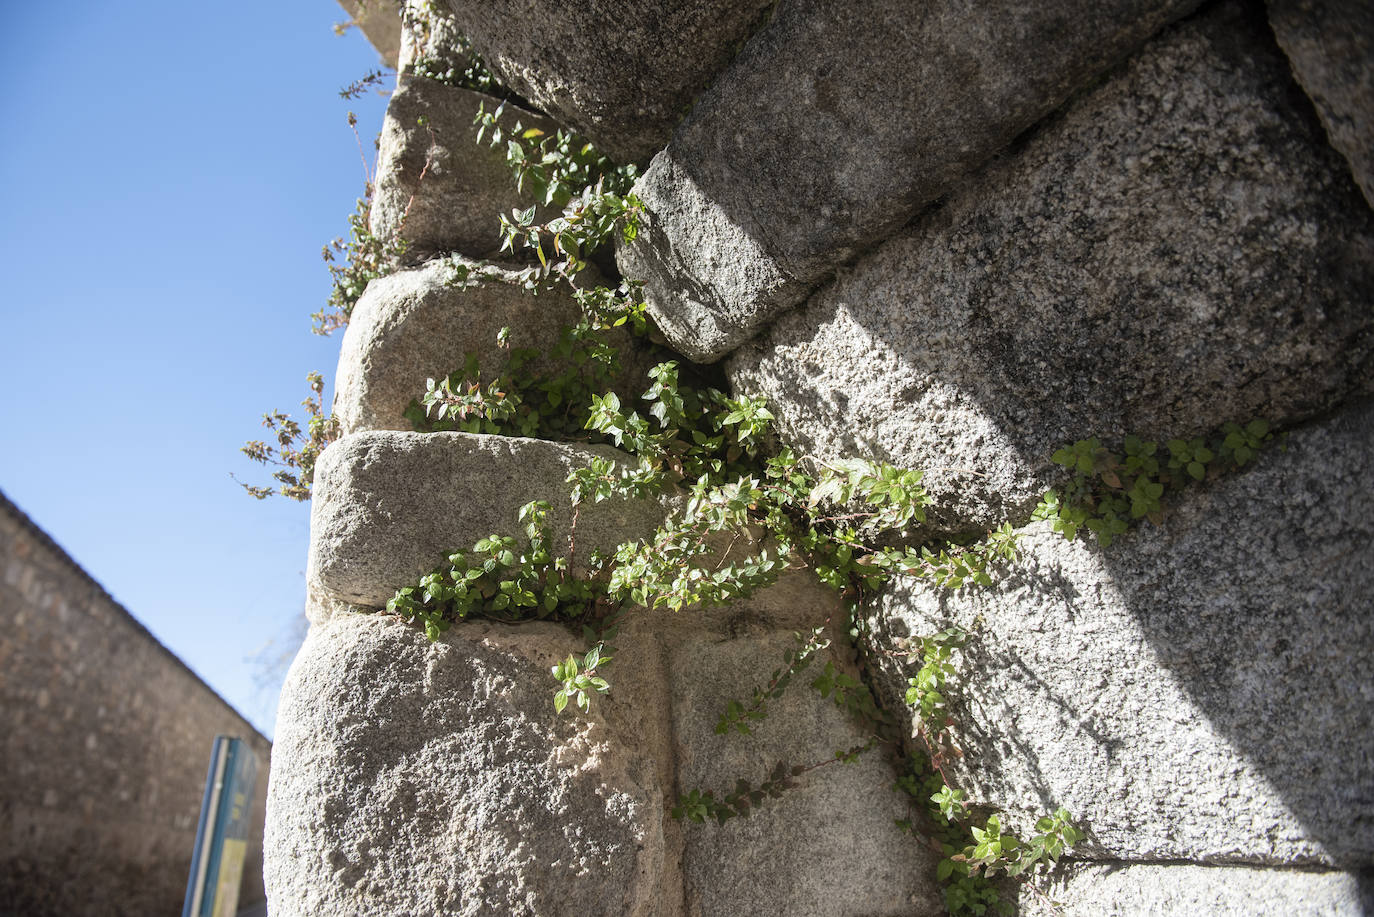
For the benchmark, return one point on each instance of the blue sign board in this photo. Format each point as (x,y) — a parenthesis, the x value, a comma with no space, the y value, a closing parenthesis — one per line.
(226,816)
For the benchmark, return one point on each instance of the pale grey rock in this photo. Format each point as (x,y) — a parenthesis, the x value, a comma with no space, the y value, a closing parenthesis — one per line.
(709,281)
(438,189)
(431,42)
(836,125)
(1202,690)
(1330,44)
(419,778)
(420,324)
(1182,890)
(389,507)
(828,846)
(1180,248)
(380,22)
(621,72)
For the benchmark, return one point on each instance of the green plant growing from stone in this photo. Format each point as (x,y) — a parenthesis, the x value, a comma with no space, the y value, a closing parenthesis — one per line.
(1110,490)
(353,263)
(783,511)
(462,67)
(562,170)
(564,243)
(294,449)
(520,399)
(580,682)
(829,516)
(555,168)
(749,510)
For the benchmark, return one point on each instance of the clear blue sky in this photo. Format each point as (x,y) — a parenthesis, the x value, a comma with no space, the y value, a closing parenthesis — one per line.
(170,171)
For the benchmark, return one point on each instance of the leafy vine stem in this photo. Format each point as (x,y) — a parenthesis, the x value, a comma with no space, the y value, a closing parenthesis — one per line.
(741,487)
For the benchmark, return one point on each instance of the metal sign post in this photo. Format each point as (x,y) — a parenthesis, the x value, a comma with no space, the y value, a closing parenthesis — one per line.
(222,836)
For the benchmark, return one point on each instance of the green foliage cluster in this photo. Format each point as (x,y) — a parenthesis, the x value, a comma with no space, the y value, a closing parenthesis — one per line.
(580,682)
(1111,490)
(502,578)
(748,509)
(553,168)
(926,689)
(561,170)
(564,243)
(294,449)
(973,852)
(518,399)
(752,509)
(353,263)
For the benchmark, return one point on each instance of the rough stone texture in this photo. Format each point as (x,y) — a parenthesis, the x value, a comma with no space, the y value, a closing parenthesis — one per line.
(104,746)
(1330,44)
(834,126)
(1124,890)
(430,40)
(418,778)
(419,324)
(380,22)
(465,186)
(388,507)
(621,72)
(1181,248)
(1202,690)
(827,847)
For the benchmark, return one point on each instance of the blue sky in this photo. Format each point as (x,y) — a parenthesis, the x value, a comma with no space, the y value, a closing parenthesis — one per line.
(170,173)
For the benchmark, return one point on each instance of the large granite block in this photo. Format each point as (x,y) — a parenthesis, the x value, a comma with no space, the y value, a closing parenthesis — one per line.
(435,778)
(1178,249)
(438,189)
(1330,44)
(836,125)
(1202,690)
(420,324)
(620,72)
(389,507)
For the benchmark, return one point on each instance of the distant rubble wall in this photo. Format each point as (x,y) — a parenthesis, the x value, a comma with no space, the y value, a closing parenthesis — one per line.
(105,746)
(1072,249)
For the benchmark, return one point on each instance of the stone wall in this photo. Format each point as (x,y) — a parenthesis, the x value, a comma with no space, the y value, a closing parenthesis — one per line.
(106,741)
(947,238)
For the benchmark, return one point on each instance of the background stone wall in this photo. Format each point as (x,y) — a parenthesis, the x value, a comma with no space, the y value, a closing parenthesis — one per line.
(104,746)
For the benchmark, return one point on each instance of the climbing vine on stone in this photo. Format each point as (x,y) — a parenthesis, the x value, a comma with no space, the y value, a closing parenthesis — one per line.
(775,510)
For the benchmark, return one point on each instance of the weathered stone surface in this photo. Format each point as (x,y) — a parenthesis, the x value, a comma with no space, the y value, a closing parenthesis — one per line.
(380,21)
(389,507)
(1179,249)
(1202,690)
(834,126)
(420,324)
(104,738)
(619,71)
(437,188)
(1330,44)
(827,847)
(419,778)
(1126,890)
(431,43)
